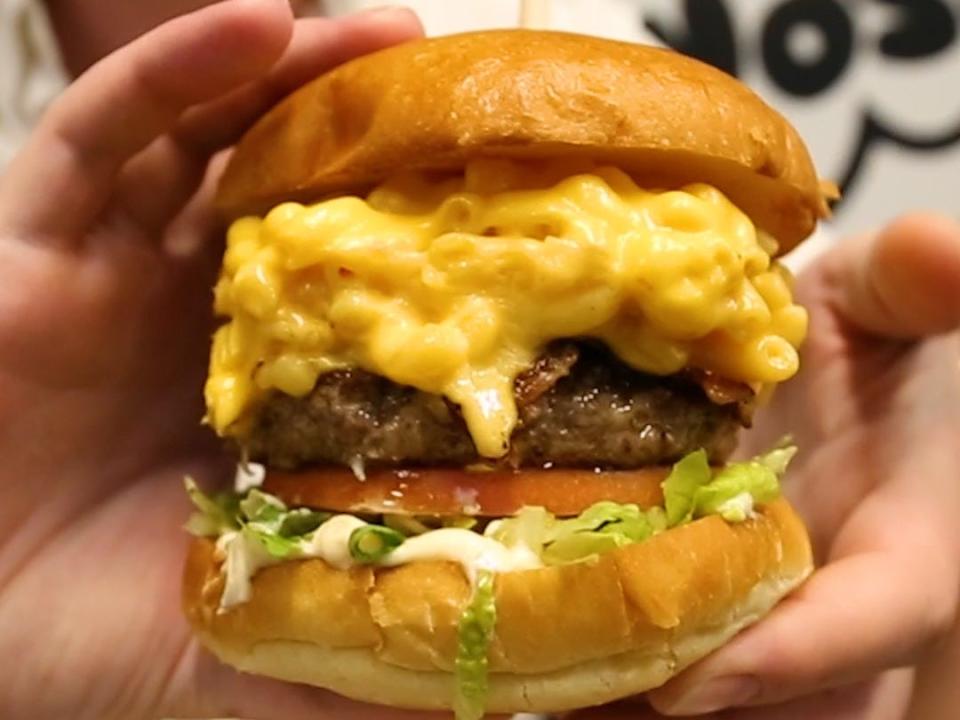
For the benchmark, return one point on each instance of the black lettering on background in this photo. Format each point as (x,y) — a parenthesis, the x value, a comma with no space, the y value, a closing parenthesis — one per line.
(803,77)
(918,29)
(925,27)
(708,37)
(874,131)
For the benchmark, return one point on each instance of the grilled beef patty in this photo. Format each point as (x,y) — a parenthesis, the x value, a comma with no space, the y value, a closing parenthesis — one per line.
(578,407)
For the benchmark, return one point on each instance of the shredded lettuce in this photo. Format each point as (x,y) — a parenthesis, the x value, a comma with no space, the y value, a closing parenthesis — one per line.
(681,486)
(259,516)
(405,524)
(528,527)
(779,458)
(601,527)
(212,516)
(278,529)
(474,633)
(411,525)
(463,522)
(581,546)
(258,506)
(735,489)
(245,556)
(691,490)
(752,482)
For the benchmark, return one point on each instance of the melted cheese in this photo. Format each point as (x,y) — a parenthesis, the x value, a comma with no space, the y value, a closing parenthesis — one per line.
(454,285)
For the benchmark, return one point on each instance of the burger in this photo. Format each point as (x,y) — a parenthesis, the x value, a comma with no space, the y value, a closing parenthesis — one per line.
(495,307)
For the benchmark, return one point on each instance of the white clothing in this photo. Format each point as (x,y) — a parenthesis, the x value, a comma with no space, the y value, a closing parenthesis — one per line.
(31,73)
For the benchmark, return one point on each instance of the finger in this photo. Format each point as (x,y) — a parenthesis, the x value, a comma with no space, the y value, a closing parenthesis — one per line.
(903,282)
(163,178)
(318,45)
(633,708)
(936,687)
(888,595)
(885,697)
(65,175)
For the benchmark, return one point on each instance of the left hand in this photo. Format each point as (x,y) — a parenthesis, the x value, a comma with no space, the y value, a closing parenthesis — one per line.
(876,413)
(108,251)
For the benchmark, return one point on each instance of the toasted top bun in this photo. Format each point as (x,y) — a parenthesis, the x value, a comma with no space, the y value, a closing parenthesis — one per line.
(436,103)
(566,636)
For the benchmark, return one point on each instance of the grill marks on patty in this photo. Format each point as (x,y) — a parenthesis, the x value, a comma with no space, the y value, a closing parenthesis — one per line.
(578,407)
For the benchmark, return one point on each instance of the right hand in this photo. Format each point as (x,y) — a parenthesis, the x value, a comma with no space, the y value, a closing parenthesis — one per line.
(876,413)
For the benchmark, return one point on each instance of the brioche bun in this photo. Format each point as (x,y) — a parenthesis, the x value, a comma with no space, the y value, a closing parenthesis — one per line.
(567,636)
(436,103)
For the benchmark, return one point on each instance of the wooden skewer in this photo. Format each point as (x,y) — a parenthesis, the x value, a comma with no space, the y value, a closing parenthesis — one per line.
(535,14)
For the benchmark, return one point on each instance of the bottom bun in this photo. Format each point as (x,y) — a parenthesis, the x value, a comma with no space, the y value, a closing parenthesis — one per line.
(567,636)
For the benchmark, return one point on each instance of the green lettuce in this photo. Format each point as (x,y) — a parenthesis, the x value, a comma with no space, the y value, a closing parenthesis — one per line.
(778,459)
(680,488)
(735,489)
(279,529)
(601,527)
(214,515)
(691,490)
(733,492)
(411,525)
(407,525)
(474,633)
(257,514)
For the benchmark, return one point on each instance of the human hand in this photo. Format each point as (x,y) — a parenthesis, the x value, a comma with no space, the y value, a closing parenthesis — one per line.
(876,414)
(109,249)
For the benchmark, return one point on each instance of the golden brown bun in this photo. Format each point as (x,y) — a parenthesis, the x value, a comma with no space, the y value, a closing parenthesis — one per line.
(436,103)
(566,637)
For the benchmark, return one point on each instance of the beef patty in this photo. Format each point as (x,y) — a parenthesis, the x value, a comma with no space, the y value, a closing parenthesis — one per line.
(578,407)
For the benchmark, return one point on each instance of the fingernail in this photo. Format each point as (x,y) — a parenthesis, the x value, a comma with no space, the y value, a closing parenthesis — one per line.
(716,694)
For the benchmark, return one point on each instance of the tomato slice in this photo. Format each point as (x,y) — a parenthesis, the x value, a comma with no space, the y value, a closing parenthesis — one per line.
(447,492)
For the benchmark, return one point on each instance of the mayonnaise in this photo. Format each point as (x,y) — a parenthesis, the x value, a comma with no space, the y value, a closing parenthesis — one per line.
(249,475)
(245,554)
(331,541)
(470,550)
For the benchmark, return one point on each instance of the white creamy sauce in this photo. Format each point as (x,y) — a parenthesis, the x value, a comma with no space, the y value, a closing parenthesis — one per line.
(249,475)
(330,542)
(245,555)
(472,551)
(358,468)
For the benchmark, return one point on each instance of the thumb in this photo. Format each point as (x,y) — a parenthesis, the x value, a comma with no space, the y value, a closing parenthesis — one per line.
(886,597)
(847,624)
(902,282)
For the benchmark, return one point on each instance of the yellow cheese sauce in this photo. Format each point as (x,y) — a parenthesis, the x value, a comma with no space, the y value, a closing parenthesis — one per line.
(454,285)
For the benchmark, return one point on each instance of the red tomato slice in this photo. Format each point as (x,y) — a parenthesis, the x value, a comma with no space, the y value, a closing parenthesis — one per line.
(446,492)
